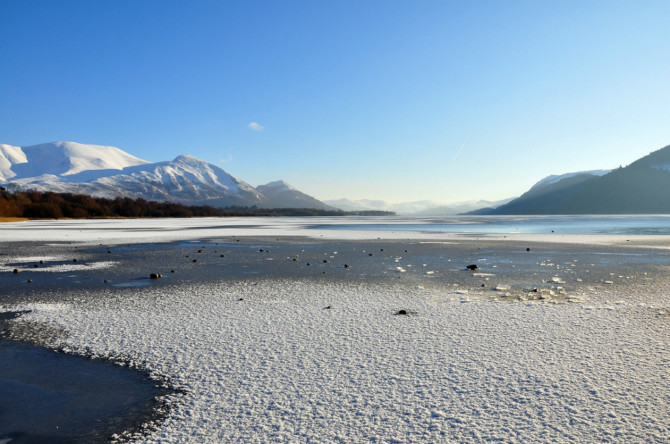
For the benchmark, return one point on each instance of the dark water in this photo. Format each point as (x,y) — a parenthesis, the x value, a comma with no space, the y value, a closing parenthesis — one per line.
(625,224)
(49,397)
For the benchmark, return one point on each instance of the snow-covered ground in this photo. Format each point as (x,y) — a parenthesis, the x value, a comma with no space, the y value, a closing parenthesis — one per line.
(265,360)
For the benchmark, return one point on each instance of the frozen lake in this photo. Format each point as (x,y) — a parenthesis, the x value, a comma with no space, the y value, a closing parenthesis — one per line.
(586,225)
(280,331)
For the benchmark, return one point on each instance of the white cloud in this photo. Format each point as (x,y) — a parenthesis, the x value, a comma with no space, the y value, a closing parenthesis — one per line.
(229,158)
(255,126)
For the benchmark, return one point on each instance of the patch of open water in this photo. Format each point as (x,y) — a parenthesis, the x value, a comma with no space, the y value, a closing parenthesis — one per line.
(54,397)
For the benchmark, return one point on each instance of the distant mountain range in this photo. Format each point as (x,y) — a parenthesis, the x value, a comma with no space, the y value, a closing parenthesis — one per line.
(106,171)
(643,187)
(425,208)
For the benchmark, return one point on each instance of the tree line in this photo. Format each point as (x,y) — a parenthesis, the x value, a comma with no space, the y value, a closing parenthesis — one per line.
(51,205)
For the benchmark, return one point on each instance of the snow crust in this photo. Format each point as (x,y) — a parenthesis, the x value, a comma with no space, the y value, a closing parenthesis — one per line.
(264,360)
(278,367)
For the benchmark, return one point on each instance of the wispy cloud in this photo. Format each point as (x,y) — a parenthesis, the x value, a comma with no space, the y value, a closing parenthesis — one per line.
(226,159)
(255,126)
(458,153)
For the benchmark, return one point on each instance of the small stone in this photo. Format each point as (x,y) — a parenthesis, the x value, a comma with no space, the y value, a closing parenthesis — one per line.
(195,260)
(171,271)
(29,280)
(105,281)
(402,312)
(471,267)
(346,266)
(74,260)
(328,307)
(35,266)
(16,270)
(155,276)
(41,262)
(199,251)
(527,249)
(222,256)
(325,261)
(109,251)
(295,259)
(240,299)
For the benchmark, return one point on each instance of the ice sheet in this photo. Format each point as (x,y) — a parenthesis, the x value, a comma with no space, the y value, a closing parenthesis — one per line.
(118,231)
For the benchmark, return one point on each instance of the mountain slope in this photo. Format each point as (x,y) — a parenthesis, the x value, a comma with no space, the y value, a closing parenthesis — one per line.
(641,187)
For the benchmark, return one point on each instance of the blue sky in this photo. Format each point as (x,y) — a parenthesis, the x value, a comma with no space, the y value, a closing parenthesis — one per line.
(394,100)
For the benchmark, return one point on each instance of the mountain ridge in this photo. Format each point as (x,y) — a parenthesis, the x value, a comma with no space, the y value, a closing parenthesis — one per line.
(639,188)
(106,171)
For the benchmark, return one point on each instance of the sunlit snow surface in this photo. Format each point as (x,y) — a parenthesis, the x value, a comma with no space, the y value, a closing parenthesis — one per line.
(265,361)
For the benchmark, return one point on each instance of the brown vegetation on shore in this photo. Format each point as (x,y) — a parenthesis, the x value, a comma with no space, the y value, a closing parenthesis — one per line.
(49,205)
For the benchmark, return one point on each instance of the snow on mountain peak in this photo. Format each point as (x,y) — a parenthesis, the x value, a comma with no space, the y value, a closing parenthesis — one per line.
(61,159)
(278,185)
(187,158)
(549,180)
(10,155)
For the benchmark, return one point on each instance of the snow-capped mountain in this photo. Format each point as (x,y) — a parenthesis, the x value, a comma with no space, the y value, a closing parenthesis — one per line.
(106,171)
(60,159)
(283,195)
